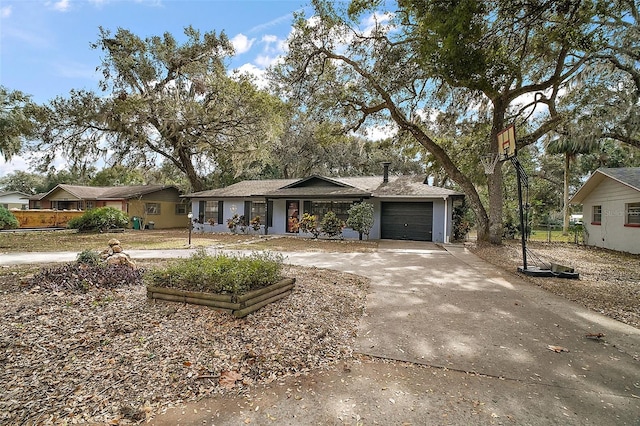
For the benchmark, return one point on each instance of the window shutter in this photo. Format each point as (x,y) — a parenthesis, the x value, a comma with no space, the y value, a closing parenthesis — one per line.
(247,211)
(201,207)
(220,212)
(270,213)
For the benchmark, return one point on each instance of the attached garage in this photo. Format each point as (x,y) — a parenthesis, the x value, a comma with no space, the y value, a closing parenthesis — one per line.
(407,221)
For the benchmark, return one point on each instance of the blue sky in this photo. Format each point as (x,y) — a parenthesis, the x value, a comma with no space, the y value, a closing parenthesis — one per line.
(45,45)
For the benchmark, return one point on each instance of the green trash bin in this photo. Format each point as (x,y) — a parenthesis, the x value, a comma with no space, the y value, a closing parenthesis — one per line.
(136,222)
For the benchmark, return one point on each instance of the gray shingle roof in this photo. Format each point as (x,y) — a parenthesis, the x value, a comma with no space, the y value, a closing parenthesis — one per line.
(3,193)
(362,186)
(412,187)
(109,192)
(627,175)
(246,188)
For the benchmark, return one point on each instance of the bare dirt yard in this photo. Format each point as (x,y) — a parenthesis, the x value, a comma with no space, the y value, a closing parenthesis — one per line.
(609,281)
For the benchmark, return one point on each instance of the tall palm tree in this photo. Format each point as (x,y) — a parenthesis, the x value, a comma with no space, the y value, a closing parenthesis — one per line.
(570,148)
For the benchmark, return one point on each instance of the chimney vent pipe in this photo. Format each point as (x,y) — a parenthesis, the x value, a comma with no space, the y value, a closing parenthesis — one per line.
(385,176)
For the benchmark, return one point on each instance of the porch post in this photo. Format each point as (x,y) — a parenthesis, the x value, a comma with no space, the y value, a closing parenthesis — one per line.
(266,218)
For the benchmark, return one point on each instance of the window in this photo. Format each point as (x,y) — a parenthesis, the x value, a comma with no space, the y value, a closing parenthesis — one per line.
(211,212)
(6,206)
(596,217)
(181,209)
(320,208)
(258,208)
(632,214)
(152,208)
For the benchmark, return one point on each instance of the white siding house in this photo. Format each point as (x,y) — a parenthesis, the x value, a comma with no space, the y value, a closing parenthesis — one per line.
(14,200)
(610,201)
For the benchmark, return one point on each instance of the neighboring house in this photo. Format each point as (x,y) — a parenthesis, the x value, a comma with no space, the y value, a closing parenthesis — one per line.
(158,206)
(610,201)
(14,200)
(405,208)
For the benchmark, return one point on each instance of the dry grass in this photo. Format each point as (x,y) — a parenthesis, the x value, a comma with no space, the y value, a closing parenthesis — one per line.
(68,240)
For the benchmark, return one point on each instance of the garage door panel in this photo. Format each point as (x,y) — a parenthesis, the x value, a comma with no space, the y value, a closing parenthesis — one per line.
(407,221)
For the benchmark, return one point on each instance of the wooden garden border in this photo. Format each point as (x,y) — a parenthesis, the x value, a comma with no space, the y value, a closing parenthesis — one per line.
(239,305)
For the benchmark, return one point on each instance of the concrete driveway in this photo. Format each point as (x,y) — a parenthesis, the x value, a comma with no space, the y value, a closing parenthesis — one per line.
(446,308)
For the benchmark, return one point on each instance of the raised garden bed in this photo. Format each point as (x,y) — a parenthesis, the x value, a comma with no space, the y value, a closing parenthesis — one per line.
(240,305)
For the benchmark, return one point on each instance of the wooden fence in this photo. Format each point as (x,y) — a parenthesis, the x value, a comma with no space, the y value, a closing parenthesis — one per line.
(45,218)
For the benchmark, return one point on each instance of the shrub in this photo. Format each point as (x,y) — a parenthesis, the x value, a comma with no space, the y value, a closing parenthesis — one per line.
(235,222)
(331,225)
(88,257)
(101,219)
(255,223)
(461,223)
(309,224)
(7,219)
(361,218)
(222,273)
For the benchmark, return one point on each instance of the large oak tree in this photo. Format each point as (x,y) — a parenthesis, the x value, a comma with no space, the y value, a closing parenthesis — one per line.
(17,119)
(491,63)
(164,101)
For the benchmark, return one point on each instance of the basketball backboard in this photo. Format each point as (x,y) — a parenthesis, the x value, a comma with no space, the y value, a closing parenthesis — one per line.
(507,143)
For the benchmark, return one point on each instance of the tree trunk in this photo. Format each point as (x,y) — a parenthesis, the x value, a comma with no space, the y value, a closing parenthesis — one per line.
(195,180)
(565,209)
(494,182)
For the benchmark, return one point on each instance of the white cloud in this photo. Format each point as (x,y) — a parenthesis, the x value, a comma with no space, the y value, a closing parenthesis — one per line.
(241,43)
(5,12)
(61,6)
(269,38)
(273,22)
(273,44)
(16,163)
(379,132)
(259,75)
(265,61)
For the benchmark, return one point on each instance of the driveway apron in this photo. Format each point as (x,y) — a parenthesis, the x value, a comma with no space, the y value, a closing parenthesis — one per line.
(447,308)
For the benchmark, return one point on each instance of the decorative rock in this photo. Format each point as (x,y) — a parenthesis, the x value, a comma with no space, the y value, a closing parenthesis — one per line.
(115,255)
(120,259)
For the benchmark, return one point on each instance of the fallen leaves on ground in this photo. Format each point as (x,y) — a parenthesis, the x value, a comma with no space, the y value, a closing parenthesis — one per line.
(114,355)
(557,349)
(609,281)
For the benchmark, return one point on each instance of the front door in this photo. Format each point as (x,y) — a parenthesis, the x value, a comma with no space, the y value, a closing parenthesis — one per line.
(293,212)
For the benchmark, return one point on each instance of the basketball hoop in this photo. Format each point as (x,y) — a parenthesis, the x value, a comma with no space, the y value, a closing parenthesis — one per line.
(489,162)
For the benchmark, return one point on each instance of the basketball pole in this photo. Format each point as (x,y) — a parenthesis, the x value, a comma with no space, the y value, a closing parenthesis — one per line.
(523,232)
